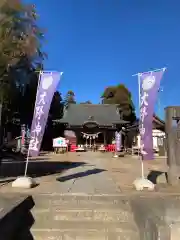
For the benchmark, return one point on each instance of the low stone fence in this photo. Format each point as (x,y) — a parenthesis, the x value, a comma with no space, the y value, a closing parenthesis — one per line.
(157,218)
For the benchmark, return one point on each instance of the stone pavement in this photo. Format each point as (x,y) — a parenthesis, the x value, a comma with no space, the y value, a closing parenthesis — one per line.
(88,176)
(88,172)
(91,196)
(126,169)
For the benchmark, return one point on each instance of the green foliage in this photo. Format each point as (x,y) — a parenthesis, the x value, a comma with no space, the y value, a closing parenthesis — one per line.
(120,95)
(28,97)
(69,98)
(20,57)
(19,34)
(20,44)
(56,110)
(87,102)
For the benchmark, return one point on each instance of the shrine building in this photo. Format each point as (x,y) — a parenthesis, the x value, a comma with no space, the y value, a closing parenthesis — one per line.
(92,123)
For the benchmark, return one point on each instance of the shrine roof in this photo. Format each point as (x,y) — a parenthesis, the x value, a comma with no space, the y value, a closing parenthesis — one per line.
(157,123)
(103,114)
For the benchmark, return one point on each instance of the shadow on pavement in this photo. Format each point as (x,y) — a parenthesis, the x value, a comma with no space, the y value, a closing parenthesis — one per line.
(6,181)
(80,175)
(153,175)
(35,168)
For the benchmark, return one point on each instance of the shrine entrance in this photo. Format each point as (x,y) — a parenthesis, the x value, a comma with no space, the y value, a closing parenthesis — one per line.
(91,139)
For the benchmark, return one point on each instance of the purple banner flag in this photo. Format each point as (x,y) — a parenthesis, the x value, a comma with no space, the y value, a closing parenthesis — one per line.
(150,84)
(118,141)
(48,82)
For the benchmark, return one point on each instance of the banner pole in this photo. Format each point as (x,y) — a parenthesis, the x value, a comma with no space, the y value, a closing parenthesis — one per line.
(49,85)
(27,161)
(27,158)
(142,167)
(159,101)
(140,155)
(143,182)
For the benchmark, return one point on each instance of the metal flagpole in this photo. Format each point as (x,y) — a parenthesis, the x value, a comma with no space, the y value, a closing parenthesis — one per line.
(27,158)
(140,155)
(155,70)
(159,101)
(139,105)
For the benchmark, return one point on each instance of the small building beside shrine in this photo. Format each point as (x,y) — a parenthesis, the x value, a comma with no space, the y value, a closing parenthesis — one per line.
(92,123)
(158,133)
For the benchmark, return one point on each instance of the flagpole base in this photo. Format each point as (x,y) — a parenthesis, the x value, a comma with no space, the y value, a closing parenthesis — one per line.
(24,182)
(143,183)
(115,156)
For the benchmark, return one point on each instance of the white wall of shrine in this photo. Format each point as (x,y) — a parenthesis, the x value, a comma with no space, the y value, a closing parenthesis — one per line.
(157,134)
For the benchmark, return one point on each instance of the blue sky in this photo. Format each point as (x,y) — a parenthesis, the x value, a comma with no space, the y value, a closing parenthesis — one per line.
(98,43)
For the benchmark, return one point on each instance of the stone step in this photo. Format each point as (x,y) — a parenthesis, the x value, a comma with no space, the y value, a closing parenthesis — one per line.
(87,231)
(82,208)
(55,235)
(83,225)
(49,200)
(106,215)
(91,217)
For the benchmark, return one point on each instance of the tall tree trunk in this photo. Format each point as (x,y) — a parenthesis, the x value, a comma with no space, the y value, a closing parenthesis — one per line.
(1,128)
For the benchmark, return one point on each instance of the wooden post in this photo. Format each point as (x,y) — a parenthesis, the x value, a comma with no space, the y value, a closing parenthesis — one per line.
(173,146)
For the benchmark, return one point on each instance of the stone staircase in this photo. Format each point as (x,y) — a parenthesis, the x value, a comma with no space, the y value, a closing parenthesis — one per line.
(83,217)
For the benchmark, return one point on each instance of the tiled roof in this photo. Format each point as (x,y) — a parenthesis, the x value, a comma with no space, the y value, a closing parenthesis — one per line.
(157,120)
(157,123)
(103,114)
